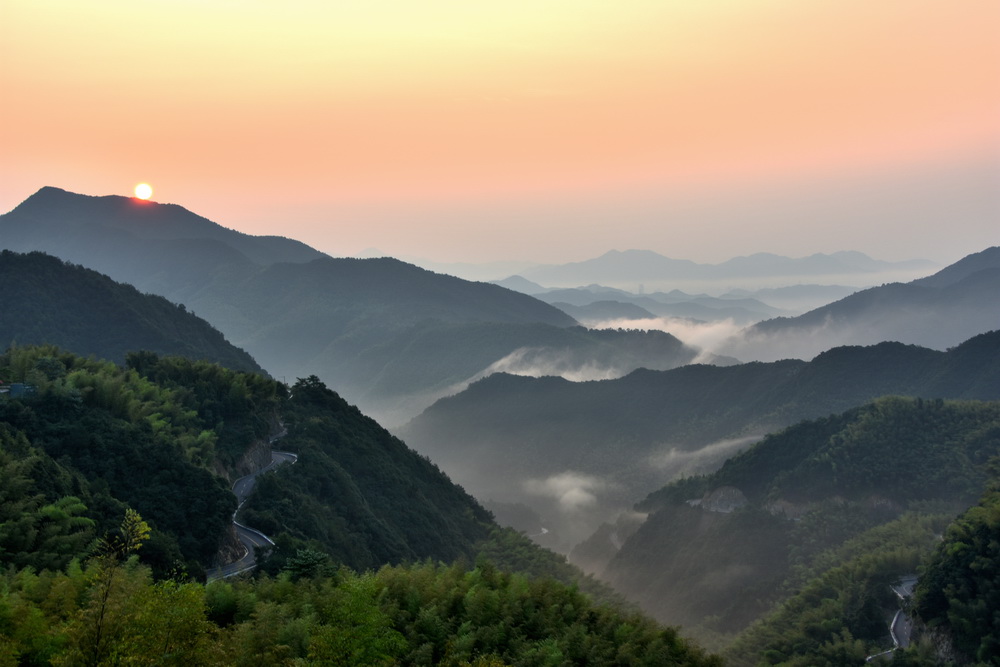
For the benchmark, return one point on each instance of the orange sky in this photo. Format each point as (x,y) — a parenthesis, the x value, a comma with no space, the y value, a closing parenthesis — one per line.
(548,130)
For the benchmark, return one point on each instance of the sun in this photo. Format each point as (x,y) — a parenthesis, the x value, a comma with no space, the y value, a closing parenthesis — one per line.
(143,191)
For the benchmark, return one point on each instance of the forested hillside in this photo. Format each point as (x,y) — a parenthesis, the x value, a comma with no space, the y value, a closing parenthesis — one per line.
(360,493)
(112,612)
(838,609)
(96,437)
(717,551)
(167,436)
(958,593)
(88,443)
(632,434)
(158,434)
(44,300)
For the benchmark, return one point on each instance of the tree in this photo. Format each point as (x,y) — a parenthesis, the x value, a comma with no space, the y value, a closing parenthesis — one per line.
(113,584)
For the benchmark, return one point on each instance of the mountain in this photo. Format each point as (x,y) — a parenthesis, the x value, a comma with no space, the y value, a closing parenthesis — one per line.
(717,551)
(673,304)
(97,220)
(167,436)
(94,441)
(519,284)
(798,298)
(45,300)
(957,593)
(603,311)
(579,452)
(619,268)
(390,336)
(938,311)
(359,493)
(109,438)
(988,260)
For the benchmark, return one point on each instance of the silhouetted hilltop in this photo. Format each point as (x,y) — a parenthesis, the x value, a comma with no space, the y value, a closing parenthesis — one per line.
(986,260)
(938,311)
(389,336)
(147,220)
(44,300)
(296,310)
(365,286)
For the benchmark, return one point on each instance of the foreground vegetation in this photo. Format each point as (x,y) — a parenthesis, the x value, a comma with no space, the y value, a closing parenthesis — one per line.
(91,438)
(958,593)
(418,615)
(375,546)
(363,526)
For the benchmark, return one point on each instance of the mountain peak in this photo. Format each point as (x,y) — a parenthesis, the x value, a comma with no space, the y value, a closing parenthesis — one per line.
(115,210)
(56,211)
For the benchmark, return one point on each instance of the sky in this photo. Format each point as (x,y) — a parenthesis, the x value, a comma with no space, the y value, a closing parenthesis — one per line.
(541,130)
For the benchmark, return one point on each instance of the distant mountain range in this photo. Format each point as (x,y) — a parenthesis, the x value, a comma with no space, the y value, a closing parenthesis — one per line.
(544,441)
(616,268)
(737,305)
(389,336)
(673,304)
(43,300)
(938,311)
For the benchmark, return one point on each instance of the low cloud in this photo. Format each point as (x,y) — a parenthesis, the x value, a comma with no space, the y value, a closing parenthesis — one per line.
(573,491)
(540,362)
(706,336)
(727,338)
(800,342)
(704,459)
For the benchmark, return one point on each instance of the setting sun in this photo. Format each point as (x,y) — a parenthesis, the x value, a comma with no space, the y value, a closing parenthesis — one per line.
(143,191)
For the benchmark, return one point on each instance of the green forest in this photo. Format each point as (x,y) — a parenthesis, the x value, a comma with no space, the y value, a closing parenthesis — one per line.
(112,611)
(45,300)
(114,498)
(834,511)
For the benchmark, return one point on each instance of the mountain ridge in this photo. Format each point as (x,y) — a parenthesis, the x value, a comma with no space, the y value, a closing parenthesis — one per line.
(147,218)
(618,436)
(44,300)
(296,318)
(938,311)
(647,266)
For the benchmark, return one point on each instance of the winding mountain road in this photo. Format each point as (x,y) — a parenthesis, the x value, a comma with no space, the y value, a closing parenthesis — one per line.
(901,626)
(250,538)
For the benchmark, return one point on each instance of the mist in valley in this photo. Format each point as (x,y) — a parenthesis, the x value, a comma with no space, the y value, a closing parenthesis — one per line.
(704,297)
(567,506)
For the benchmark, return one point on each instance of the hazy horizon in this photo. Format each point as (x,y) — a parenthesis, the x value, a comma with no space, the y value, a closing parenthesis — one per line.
(516,131)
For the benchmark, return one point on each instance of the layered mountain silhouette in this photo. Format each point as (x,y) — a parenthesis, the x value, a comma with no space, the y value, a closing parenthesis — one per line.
(596,304)
(44,300)
(644,266)
(938,311)
(544,441)
(388,335)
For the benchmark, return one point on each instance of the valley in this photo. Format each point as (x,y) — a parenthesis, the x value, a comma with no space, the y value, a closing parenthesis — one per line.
(499,334)
(706,483)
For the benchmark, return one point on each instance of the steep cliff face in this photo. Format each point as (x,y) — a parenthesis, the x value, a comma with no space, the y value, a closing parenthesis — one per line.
(230,548)
(257,452)
(257,455)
